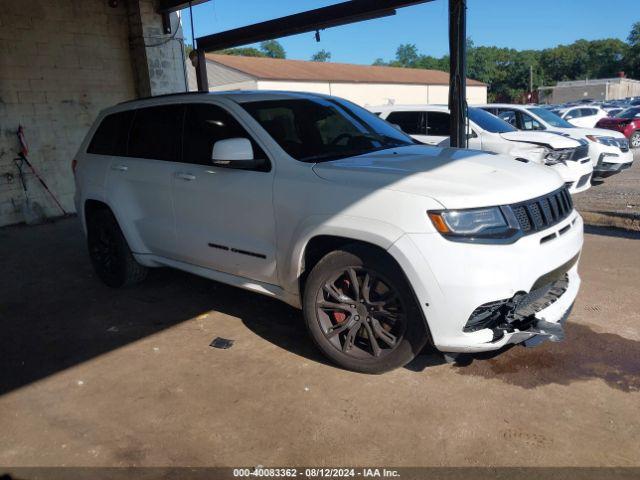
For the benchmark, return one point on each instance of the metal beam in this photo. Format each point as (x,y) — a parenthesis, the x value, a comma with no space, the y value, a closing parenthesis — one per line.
(309,21)
(169,6)
(458,72)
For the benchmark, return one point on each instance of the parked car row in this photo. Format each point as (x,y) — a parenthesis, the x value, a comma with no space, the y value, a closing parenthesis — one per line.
(429,124)
(527,133)
(618,115)
(608,150)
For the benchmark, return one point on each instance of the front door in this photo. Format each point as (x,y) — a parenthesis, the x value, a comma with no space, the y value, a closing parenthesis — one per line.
(224,216)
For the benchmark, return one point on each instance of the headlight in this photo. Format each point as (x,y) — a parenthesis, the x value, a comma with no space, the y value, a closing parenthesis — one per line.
(553,157)
(608,141)
(483,225)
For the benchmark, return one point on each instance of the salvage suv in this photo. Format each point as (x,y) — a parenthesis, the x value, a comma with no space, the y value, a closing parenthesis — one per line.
(388,246)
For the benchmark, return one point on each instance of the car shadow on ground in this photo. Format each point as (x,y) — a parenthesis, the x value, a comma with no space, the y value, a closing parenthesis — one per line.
(54,314)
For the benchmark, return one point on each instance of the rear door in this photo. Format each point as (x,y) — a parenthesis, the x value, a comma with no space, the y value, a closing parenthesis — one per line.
(412,123)
(438,127)
(139,181)
(224,216)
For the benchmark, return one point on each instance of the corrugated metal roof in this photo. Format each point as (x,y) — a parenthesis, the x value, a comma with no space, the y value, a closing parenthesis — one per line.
(280,69)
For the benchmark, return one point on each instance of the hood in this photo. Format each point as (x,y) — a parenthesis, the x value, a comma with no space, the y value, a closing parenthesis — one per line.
(583,132)
(454,177)
(552,140)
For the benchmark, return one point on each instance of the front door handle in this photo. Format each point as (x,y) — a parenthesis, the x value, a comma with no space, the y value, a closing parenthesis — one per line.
(185,176)
(120,168)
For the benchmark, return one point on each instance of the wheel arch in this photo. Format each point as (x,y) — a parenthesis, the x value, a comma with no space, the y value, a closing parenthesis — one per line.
(320,245)
(92,205)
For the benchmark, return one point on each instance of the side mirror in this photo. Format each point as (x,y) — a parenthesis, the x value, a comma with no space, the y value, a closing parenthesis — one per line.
(233,153)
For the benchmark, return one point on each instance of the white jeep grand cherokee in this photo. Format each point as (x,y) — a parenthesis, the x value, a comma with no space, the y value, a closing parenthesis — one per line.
(386,245)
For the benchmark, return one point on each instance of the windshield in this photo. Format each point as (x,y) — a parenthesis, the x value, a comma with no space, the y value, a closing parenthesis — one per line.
(628,113)
(322,129)
(488,122)
(550,117)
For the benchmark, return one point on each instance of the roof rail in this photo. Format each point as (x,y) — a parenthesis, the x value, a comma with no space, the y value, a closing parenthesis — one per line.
(164,95)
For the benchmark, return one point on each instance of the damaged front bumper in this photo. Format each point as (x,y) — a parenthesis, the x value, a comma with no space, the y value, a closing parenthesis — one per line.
(530,318)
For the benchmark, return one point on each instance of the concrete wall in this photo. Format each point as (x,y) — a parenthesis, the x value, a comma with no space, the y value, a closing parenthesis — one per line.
(61,62)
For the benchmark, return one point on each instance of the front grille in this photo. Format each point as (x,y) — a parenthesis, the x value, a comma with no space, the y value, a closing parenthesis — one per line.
(543,212)
(583,180)
(580,152)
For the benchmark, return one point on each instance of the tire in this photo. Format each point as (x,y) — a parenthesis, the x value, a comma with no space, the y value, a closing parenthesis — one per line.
(634,140)
(110,254)
(386,310)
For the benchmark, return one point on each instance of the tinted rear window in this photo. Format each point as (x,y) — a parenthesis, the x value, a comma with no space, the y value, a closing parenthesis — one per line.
(410,122)
(111,136)
(156,133)
(438,124)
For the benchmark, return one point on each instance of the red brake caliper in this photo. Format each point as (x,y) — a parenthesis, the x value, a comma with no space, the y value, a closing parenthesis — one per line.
(339,317)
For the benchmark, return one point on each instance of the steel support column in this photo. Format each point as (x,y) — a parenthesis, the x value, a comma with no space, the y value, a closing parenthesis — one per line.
(458,72)
(200,63)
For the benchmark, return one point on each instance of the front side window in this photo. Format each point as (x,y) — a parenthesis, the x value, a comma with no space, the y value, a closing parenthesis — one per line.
(410,122)
(204,125)
(438,124)
(529,123)
(111,136)
(509,116)
(156,133)
(323,129)
(629,113)
(573,114)
(550,117)
(488,122)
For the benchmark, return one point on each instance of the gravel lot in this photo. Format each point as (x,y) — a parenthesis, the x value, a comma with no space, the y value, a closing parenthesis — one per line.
(618,194)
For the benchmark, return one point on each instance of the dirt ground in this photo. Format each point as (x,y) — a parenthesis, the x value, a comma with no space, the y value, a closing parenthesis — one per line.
(618,194)
(98,377)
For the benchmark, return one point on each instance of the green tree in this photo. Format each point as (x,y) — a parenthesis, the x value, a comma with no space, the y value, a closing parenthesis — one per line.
(406,56)
(321,56)
(273,49)
(242,51)
(632,57)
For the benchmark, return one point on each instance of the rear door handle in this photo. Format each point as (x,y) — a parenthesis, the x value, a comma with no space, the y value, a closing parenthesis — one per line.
(120,168)
(185,176)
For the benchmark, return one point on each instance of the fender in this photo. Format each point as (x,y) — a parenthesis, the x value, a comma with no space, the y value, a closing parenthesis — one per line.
(368,230)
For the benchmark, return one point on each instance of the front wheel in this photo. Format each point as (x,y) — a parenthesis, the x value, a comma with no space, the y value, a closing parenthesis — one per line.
(110,255)
(361,312)
(634,141)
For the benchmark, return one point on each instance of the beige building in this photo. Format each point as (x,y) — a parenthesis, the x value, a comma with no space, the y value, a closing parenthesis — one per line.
(363,84)
(595,89)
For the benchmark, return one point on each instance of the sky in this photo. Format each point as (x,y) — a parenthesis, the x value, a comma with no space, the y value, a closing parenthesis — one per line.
(515,24)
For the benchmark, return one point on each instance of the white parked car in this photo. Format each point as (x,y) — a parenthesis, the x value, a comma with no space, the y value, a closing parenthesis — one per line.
(430,124)
(585,116)
(388,246)
(609,150)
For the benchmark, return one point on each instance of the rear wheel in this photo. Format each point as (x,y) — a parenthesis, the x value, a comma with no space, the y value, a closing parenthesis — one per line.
(634,141)
(361,312)
(110,255)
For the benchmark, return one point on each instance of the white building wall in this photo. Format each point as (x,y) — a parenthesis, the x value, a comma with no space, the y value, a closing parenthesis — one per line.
(314,87)
(368,94)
